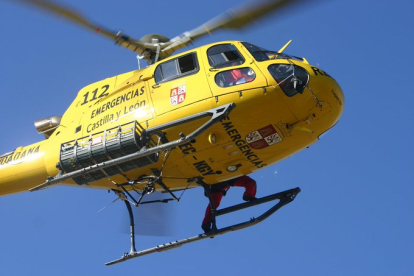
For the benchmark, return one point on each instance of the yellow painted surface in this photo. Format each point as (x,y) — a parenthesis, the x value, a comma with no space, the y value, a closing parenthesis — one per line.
(135,96)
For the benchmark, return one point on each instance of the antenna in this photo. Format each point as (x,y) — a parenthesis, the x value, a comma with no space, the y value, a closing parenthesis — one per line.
(139,61)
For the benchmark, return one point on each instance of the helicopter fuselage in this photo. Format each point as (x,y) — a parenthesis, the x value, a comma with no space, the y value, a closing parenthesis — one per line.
(283,105)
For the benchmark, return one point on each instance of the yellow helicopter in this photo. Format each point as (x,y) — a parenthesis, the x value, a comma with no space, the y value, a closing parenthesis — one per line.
(194,119)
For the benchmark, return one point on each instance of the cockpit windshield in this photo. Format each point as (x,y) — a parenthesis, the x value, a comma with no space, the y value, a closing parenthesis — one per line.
(261,54)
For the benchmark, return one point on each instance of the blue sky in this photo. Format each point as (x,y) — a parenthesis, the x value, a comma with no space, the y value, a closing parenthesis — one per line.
(355,214)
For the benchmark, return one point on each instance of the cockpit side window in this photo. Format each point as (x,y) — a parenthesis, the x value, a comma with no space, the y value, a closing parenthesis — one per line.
(224,55)
(234,77)
(292,79)
(176,68)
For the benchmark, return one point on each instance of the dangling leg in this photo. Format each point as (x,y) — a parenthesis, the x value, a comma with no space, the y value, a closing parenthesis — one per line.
(209,219)
(249,184)
(214,193)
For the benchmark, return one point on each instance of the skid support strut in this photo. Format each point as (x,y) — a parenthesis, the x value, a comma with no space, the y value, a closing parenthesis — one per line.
(131,226)
(123,197)
(284,198)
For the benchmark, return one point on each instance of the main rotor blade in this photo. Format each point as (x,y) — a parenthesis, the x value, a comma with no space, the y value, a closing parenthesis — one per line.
(76,17)
(241,16)
(235,18)
(158,47)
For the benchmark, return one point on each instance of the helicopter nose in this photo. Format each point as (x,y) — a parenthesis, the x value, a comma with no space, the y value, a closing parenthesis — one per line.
(325,104)
(312,95)
(329,95)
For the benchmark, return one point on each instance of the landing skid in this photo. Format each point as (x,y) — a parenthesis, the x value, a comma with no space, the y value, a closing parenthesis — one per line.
(283,197)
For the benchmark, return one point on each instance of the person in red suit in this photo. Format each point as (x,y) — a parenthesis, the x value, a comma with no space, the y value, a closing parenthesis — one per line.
(219,190)
(237,76)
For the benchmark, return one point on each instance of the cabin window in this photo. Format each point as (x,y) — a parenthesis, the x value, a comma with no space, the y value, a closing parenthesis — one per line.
(176,68)
(224,55)
(291,78)
(235,77)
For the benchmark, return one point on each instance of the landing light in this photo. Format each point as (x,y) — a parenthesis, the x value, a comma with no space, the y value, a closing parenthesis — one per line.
(232,168)
(212,138)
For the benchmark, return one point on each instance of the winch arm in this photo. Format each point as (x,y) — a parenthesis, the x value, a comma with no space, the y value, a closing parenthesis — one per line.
(215,114)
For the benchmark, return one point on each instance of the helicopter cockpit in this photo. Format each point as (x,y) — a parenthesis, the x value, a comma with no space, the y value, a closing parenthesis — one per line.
(290,77)
(227,55)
